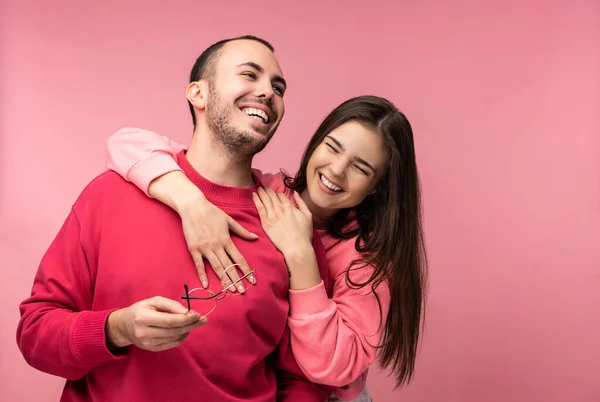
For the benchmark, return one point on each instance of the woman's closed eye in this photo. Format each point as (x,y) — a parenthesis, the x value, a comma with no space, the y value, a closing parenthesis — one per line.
(363,171)
(332,148)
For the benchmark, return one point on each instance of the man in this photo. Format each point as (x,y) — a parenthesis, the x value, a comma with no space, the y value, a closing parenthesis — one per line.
(118,248)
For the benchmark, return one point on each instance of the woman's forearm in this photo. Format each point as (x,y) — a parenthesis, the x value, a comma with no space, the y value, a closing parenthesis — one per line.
(304,270)
(175,190)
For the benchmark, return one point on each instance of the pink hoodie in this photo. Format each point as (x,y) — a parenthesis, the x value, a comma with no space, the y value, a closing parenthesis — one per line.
(332,339)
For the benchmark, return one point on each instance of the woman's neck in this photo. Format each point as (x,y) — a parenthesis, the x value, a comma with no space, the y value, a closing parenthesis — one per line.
(320,216)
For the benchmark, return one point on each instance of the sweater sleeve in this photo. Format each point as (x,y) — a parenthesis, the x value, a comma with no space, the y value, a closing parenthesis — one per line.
(58,333)
(140,156)
(335,340)
(292,384)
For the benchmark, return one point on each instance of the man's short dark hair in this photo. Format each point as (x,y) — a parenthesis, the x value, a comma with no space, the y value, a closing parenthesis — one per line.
(205,63)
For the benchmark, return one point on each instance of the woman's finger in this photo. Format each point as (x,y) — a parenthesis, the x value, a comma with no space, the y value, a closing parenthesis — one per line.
(267,202)
(260,207)
(218,268)
(284,200)
(199,263)
(238,258)
(302,205)
(229,271)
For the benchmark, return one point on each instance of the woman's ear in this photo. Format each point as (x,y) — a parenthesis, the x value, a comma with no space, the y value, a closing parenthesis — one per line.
(196,92)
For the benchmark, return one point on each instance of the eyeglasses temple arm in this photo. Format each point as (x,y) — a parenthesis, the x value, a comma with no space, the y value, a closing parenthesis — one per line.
(187,297)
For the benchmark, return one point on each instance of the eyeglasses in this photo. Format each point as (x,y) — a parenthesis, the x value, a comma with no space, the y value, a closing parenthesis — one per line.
(207,294)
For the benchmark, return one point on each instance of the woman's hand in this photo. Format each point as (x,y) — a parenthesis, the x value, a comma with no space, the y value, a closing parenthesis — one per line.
(206,228)
(289,227)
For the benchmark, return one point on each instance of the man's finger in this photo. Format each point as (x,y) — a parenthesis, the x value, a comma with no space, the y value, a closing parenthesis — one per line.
(238,258)
(240,230)
(169,344)
(199,263)
(162,304)
(168,320)
(170,332)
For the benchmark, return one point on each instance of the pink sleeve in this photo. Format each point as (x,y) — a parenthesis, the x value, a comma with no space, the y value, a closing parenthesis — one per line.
(140,156)
(333,339)
(272,180)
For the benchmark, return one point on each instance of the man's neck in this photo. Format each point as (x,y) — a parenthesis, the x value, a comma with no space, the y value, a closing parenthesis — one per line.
(215,164)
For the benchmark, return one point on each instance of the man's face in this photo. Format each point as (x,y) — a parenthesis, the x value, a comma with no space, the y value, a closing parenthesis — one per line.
(244,105)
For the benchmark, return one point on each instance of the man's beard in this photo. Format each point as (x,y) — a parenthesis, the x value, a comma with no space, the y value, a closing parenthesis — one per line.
(236,141)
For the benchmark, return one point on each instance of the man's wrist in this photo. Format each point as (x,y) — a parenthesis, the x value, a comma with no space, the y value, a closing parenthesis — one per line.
(115,339)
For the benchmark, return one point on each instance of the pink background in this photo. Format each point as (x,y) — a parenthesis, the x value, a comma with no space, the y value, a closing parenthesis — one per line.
(504,99)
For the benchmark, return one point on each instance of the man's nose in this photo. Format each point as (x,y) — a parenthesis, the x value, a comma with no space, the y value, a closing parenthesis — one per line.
(265,91)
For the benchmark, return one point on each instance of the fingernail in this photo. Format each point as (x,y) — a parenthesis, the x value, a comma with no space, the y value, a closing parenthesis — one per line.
(241,288)
(204,284)
(252,280)
(253,194)
(254,235)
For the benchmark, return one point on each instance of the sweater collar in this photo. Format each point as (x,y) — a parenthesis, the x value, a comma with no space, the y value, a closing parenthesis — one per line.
(216,193)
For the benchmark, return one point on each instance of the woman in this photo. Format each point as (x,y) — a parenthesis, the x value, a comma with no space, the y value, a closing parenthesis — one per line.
(358,185)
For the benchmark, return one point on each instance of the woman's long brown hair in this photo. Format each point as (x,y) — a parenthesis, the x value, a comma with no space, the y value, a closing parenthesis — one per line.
(389,233)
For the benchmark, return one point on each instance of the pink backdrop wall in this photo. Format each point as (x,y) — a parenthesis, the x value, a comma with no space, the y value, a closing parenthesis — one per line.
(504,99)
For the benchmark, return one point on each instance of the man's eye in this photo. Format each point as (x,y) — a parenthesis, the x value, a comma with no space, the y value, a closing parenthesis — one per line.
(279,90)
(250,75)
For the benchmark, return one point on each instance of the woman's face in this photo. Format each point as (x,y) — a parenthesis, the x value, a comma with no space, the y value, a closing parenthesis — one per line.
(345,168)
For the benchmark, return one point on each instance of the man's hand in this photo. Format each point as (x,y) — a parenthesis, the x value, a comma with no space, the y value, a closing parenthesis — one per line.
(153,324)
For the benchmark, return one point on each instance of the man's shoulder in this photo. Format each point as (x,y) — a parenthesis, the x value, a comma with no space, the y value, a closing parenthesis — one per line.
(107,187)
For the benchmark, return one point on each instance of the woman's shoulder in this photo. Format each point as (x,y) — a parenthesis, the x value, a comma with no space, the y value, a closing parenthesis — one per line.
(275,181)
(341,253)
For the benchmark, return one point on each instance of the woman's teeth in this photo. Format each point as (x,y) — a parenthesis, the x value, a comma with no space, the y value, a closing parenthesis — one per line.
(329,184)
(257,114)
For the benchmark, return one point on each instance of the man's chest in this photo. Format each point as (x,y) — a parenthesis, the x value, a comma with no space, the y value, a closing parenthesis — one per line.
(143,253)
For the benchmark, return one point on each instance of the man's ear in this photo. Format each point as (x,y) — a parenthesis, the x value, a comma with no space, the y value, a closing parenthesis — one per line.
(196,93)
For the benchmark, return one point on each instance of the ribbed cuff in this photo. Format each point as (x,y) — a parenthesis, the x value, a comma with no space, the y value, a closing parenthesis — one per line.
(308,301)
(88,339)
(150,168)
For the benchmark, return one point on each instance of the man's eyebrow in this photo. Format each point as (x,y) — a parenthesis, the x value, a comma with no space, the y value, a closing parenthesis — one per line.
(258,68)
(360,160)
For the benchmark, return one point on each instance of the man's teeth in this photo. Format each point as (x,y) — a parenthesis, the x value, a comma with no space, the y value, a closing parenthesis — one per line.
(257,114)
(329,184)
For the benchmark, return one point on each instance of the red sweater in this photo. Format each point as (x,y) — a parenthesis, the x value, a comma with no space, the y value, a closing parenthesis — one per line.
(118,247)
